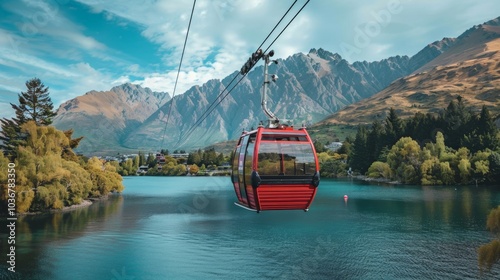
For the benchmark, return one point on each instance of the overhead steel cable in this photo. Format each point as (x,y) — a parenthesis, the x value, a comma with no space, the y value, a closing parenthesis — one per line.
(286,26)
(208,110)
(228,92)
(211,107)
(286,13)
(178,72)
(202,117)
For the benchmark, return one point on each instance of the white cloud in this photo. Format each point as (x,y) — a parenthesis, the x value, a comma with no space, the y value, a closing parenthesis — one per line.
(407,29)
(83,41)
(121,80)
(133,68)
(6,85)
(31,61)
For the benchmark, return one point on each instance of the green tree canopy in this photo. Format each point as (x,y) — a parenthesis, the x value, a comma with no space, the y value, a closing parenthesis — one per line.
(494,159)
(104,177)
(379,170)
(404,159)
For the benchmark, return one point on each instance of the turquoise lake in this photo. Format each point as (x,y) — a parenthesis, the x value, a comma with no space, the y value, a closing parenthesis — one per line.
(189,228)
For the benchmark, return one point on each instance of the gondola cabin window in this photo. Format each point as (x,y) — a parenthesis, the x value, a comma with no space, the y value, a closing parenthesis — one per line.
(288,155)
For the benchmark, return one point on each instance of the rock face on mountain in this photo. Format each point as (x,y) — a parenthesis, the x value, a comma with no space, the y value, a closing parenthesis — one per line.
(470,67)
(104,118)
(430,52)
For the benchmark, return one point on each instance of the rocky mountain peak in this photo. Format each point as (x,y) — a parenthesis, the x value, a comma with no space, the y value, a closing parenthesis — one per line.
(135,91)
(324,54)
(493,22)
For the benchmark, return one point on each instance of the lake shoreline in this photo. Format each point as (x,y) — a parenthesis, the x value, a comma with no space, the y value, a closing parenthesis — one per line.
(377,180)
(85,203)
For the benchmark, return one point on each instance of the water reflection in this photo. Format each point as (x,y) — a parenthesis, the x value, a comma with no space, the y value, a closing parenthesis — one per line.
(35,232)
(433,207)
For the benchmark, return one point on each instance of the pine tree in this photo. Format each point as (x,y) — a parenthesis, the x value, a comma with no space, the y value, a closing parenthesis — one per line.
(10,137)
(34,104)
(486,131)
(359,158)
(457,120)
(374,141)
(421,127)
(142,158)
(494,175)
(393,128)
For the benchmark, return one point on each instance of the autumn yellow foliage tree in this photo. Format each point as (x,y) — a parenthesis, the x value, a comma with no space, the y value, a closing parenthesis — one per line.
(194,169)
(489,254)
(104,177)
(379,170)
(4,163)
(48,175)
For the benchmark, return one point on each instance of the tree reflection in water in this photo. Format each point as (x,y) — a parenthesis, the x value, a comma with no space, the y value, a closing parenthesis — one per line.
(55,227)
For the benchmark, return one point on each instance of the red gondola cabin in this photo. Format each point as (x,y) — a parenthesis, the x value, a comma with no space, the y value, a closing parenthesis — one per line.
(275,169)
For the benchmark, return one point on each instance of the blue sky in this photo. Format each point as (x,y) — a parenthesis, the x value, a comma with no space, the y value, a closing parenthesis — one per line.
(78,46)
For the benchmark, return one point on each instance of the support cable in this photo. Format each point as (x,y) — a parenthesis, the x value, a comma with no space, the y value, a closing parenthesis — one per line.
(177,78)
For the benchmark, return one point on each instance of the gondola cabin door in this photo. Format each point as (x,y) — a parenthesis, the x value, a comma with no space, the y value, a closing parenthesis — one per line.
(237,175)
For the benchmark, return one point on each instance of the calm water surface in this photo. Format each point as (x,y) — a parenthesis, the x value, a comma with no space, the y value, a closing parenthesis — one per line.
(189,228)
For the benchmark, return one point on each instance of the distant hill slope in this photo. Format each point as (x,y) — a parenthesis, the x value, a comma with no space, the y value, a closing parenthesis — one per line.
(104,118)
(470,68)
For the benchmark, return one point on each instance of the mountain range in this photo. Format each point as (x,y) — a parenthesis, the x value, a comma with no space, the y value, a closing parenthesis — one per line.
(470,67)
(311,88)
